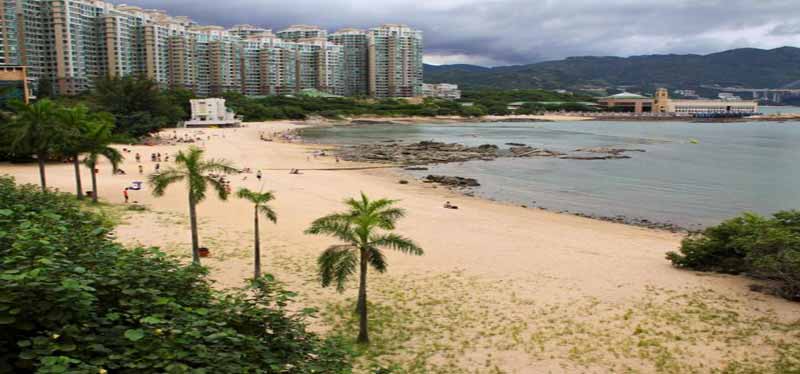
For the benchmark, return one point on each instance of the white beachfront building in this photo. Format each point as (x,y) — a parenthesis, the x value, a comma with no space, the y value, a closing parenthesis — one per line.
(211,112)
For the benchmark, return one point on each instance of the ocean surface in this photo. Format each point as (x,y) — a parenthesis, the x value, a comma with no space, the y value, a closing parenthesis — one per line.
(692,174)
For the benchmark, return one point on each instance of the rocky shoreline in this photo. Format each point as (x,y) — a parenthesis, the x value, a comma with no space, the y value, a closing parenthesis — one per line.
(416,156)
(464,186)
(430,152)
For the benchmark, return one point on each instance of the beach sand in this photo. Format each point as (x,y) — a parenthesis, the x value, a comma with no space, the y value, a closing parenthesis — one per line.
(500,289)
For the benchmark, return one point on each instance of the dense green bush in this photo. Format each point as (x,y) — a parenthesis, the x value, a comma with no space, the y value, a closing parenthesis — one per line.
(766,248)
(139,105)
(73,301)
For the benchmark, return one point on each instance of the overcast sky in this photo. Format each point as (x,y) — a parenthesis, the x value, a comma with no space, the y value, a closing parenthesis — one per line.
(502,32)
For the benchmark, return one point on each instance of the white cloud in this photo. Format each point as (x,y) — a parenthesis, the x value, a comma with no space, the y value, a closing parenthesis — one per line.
(460,58)
(491,32)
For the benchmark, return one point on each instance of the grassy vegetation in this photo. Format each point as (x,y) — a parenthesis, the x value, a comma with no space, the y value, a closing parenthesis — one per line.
(452,323)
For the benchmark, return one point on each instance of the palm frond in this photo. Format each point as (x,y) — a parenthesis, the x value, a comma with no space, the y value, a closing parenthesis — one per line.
(222,190)
(217,166)
(376,206)
(112,155)
(336,225)
(377,260)
(336,265)
(357,205)
(160,181)
(268,212)
(397,243)
(246,194)
(387,218)
(260,199)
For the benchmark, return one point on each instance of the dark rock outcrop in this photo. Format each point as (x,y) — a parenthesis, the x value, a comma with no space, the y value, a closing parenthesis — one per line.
(457,182)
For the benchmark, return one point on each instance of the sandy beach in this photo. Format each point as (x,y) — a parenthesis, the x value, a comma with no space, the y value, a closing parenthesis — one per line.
(500,289)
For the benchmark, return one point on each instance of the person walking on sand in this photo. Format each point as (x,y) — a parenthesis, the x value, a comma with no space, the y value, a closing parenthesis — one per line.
(158,167)
(125,194)
(138,157)
(258,175)
(141,169)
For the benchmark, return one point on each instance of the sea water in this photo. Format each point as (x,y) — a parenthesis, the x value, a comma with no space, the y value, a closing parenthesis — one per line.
(692,174)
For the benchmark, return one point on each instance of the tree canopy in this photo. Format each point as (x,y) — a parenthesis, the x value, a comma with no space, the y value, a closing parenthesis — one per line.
(74,301)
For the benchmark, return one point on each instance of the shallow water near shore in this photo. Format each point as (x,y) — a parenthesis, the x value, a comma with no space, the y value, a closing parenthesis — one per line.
(691,175)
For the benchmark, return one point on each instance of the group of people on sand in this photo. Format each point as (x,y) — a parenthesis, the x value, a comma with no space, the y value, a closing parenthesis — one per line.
(157,158)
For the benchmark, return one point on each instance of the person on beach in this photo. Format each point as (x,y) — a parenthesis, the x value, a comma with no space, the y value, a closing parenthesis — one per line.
(125,194)
(138,158)
(153,157)
(141,169)
(258,175)
(158,167)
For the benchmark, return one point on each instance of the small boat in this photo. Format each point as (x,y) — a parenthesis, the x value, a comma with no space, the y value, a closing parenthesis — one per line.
(694,141)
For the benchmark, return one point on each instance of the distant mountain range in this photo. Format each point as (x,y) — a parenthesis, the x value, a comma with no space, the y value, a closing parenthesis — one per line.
(746,67)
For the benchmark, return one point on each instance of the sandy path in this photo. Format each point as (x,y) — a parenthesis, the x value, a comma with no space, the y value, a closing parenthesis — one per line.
(492,273)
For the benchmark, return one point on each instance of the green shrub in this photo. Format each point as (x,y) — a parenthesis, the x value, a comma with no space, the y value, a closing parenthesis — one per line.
(73,301)
(767,248)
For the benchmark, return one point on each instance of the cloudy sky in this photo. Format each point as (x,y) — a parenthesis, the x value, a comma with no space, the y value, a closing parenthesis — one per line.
(502,32)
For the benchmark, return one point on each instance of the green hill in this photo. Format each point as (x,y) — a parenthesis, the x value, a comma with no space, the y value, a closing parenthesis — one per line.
(746,67)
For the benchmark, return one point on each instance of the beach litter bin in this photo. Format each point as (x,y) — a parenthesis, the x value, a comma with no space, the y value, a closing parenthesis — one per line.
(203,251)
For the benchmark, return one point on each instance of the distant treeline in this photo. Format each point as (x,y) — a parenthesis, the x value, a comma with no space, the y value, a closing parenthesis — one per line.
(473,104)
(140,106)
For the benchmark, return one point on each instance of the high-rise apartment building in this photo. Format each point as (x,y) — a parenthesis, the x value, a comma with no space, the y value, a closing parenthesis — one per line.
(273,66)
(245,31)
(356,60)
(72,43)
(297,32)
(395,61)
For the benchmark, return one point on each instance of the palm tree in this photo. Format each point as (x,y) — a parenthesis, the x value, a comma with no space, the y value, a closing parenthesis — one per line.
(96,143)
(75,120)
(260,200)
(198,173)
(364,229)
(34,131)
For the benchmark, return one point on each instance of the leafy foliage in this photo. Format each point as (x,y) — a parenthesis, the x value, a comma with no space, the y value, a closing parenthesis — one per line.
(73,301)
(139,105)
(300,107)
(35,128)
(535,101)
(763,247)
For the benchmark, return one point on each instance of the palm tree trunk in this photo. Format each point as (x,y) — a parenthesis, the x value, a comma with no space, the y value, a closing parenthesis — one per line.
(193,222)
(363,336)
(78,187)
(94,184)
(42,178)
(258,248)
